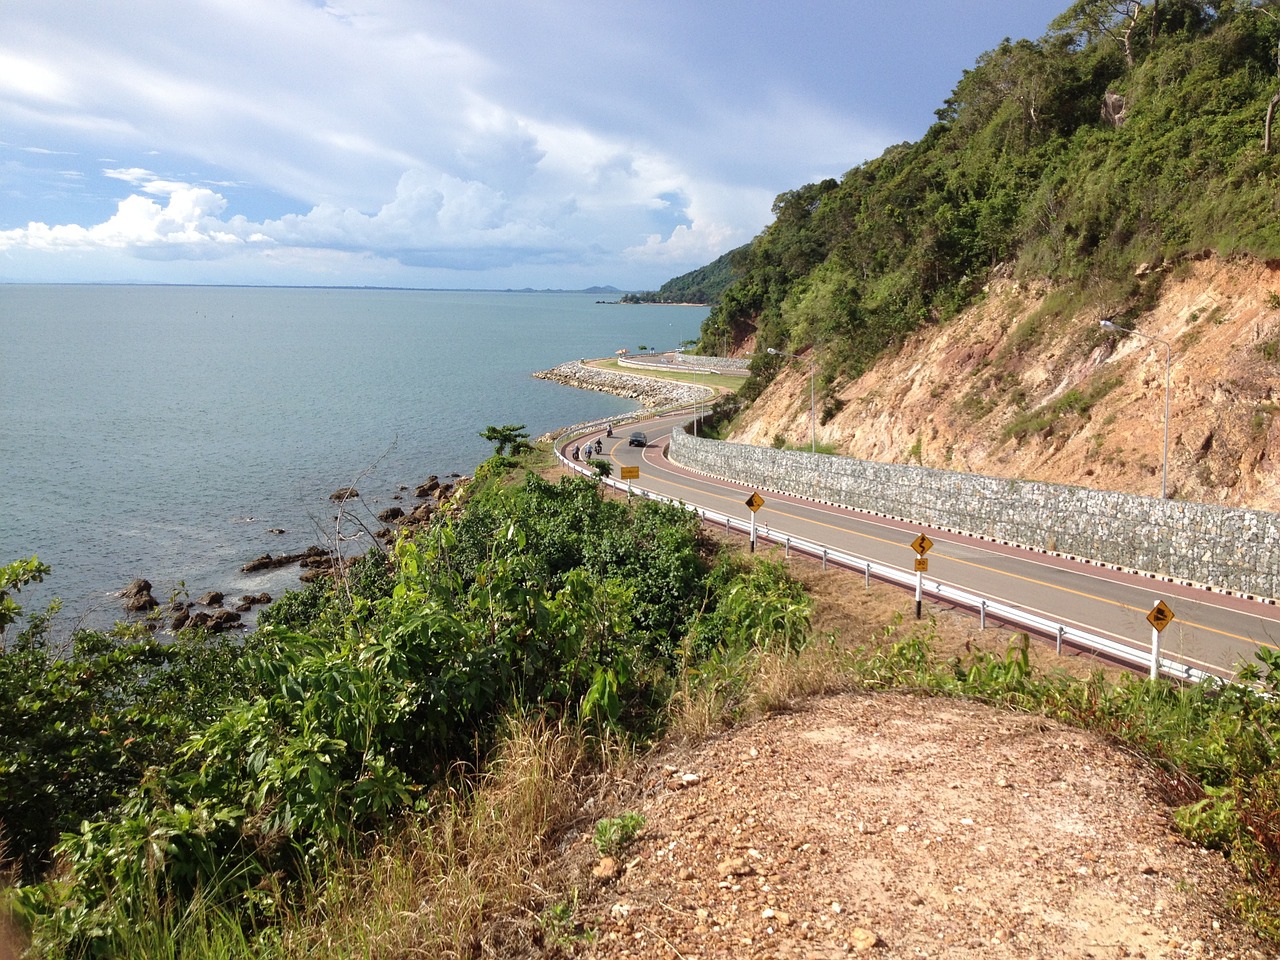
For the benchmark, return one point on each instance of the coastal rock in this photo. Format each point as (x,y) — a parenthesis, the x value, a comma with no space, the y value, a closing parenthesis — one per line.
(211,599)
(268,562)
(343,494)
(137,597)
(428,489)
(326,567)
(391,514)
(422,513)
(253,598)
(180,619)
(138,588)
(215,621)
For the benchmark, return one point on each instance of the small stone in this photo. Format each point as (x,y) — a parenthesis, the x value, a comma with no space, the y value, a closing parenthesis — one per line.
(620,911)
(861,940)
(606,869)
(734,867)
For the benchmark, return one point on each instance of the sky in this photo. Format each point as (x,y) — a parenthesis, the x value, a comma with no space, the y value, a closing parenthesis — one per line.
(467,144)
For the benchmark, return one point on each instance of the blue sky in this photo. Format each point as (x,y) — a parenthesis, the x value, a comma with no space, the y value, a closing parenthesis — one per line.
(476,144)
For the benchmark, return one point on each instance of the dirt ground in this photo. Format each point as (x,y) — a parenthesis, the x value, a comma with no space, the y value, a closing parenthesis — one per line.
(892,826)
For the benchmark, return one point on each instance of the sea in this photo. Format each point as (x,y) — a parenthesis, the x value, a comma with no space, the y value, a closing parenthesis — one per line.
(164,432)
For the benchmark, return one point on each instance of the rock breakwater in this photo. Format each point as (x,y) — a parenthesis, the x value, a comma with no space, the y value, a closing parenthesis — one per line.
(651,392)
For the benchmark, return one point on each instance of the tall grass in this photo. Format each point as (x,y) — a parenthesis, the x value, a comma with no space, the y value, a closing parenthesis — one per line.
(465,874)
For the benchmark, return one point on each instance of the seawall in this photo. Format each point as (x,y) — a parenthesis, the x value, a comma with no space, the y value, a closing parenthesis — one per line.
(651,392)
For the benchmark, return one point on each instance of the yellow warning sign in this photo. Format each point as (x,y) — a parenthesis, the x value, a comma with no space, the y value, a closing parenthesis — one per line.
(1160,616)
(922,565)
(755,502)
(629,473)
(922,544)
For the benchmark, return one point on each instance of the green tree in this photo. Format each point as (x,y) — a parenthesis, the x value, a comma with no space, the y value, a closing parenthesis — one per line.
(510,437)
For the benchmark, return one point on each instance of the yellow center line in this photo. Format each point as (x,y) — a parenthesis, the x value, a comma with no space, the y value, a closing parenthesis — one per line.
(980,566)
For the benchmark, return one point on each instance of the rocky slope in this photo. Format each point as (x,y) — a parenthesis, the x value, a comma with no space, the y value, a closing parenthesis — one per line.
(1027,384)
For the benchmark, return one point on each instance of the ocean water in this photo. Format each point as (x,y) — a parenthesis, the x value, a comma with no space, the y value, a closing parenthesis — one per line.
(163,432)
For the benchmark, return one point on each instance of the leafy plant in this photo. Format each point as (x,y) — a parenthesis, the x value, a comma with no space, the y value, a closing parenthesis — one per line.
(613,834)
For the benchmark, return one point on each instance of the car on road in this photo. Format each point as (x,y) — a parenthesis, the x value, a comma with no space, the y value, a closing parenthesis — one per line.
(637,439)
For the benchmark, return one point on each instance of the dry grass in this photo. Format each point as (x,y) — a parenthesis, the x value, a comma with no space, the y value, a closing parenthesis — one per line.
(460,881)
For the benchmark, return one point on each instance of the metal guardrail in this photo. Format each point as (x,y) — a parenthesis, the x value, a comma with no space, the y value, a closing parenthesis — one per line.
(982,606)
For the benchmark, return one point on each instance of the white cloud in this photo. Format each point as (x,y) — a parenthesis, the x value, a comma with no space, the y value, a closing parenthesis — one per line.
(379,133)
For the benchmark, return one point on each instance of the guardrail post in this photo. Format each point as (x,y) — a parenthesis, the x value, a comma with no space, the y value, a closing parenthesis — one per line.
(866,569)
(982,614)
(786,550)
(824,558)
(1061,630)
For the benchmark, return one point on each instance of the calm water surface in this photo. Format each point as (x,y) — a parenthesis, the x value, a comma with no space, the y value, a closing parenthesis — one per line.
(162,432)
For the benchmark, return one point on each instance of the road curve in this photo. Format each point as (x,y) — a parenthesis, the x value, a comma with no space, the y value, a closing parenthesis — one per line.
(1211,632)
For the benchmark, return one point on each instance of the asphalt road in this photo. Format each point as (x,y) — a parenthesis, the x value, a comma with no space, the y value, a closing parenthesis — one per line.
(1211,631)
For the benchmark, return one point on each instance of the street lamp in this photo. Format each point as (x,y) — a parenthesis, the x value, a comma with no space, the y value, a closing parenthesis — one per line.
(813,420)
(1168,354)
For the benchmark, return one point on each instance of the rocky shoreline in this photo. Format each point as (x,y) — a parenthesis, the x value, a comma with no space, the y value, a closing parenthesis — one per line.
(220,614)
(652,392)
(223,613)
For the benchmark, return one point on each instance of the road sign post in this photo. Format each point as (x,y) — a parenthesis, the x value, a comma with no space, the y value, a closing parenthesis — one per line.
(628,474)
(755,502)
(1159,618)
(921,545)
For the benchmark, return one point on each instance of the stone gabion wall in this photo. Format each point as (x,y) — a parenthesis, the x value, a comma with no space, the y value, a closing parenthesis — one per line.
(714,363)
(1232,549)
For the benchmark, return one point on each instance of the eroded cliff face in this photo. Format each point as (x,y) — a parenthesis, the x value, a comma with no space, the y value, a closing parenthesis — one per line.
(1025,385)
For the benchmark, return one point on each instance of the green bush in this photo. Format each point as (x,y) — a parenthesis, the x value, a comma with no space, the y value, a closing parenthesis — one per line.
(202,769)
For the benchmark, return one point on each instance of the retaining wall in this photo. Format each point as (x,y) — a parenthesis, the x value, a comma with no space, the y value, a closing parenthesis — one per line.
(736,364)
(1237,550)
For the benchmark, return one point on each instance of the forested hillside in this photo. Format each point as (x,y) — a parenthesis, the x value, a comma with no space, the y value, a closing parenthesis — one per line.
(1132,133)
(704,285)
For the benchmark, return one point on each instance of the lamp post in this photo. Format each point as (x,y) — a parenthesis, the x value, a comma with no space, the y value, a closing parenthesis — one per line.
(1168,355)
(813,420)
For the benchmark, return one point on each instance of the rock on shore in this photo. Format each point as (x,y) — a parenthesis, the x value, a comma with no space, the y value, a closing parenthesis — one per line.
(650,391)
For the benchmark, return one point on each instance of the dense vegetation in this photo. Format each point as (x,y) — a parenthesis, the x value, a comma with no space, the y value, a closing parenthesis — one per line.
(704,285)
(1132,133)
(156,774)
(334,784)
